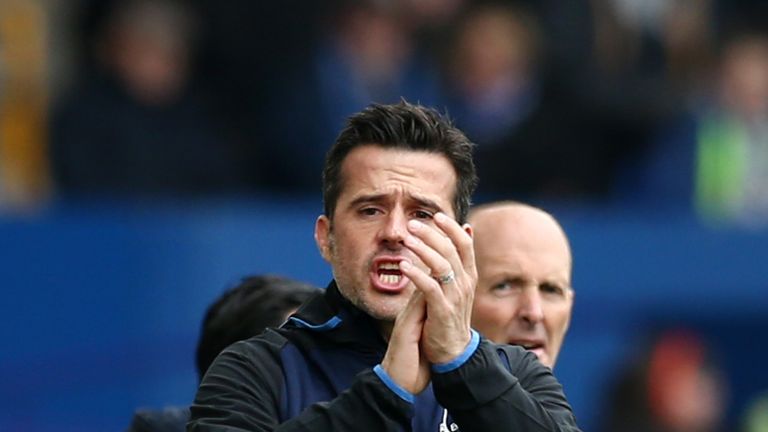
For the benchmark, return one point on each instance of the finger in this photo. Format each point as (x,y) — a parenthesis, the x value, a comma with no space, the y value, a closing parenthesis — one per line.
(425,284)
(437,263)
(409,322)
(414,311)
(460,237)
(433,247)
(403,358)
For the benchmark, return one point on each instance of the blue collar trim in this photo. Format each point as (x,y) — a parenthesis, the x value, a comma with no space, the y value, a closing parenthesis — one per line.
(328,325)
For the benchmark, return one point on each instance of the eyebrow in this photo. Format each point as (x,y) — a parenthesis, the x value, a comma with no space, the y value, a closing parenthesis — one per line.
(507,276)
(372,198)
(426,202)
(554,284)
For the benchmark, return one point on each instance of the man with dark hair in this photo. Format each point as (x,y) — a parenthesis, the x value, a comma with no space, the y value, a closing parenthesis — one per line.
(256,303)
(388,126)
(243,311)
(389,346)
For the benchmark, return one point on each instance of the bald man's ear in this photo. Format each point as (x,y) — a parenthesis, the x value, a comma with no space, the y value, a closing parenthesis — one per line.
(322,236)
(468,229)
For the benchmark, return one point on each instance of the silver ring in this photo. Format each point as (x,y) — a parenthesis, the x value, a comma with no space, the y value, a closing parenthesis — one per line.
(446,278)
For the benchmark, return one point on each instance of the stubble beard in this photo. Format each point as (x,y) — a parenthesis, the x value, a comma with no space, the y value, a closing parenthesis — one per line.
(359,292)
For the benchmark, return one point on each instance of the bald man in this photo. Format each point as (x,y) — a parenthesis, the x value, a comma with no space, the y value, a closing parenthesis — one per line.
(524,295)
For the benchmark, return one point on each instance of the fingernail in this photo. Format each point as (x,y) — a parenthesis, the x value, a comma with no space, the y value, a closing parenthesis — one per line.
(441,217)
(414,225)
(405,265)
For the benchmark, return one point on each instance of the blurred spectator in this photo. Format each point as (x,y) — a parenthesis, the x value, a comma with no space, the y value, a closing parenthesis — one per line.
(430,21)
(257,57)
(661,44)
(676,388)
(625,67)
(369,56)
(365,53)
(141,126)
(715,159)
(24,176)
(530,135)
(256,303)
(493,71)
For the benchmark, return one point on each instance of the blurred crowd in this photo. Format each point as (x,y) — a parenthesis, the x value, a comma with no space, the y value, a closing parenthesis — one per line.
(654,104)
(676,382)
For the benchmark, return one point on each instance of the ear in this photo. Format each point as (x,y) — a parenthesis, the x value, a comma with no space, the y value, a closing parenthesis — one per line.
(571,295)
(468,229)
(322,233)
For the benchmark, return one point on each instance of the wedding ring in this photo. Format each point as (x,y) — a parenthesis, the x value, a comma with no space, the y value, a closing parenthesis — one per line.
(446,278)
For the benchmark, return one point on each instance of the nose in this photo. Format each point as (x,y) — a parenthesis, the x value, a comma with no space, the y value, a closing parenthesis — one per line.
(530,306)
(394,230)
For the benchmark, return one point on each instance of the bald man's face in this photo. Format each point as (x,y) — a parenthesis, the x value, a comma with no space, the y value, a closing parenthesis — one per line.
(524,294)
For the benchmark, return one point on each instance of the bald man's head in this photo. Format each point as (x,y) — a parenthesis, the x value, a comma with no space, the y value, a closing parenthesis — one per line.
(524,294)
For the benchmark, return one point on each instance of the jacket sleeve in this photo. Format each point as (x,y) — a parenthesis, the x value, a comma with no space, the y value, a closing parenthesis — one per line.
(242,391)
(504,388)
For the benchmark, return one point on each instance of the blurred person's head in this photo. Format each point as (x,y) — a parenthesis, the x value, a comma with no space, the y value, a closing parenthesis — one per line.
(686,36)
(246,310)
(373,40)
(430,13)
(744,75)
(673,385)
(148,44)
(495,50)
(524,295)
(685,392)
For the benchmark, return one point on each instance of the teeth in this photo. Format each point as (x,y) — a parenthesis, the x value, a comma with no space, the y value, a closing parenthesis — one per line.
(389,266)
(389,278)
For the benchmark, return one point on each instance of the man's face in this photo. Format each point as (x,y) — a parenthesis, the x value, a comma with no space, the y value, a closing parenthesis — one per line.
(523,294)
(382,190)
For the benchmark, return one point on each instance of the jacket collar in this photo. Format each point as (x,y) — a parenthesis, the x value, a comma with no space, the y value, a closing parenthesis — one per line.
(338,320)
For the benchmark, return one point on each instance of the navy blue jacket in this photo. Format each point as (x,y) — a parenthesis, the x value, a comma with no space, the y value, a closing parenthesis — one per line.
(315,373)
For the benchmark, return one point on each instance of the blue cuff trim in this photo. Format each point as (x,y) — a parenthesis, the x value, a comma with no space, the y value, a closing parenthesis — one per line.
(396,389)
(474,342)
(328,325)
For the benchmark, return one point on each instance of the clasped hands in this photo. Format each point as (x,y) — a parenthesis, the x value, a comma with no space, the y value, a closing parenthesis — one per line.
(434,326)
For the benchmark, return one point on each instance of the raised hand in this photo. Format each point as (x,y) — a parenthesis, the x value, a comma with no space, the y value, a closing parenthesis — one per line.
(446,248)
(404,362)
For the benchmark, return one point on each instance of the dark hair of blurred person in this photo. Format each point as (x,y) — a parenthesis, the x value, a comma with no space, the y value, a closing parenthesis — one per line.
(256,303)
(243,311)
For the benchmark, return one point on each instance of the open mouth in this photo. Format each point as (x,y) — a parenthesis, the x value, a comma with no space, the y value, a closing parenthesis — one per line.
(386,275)
(389,273)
